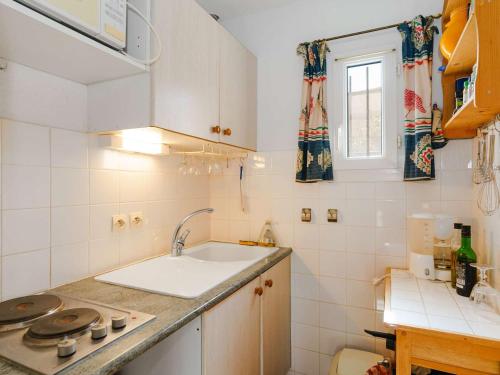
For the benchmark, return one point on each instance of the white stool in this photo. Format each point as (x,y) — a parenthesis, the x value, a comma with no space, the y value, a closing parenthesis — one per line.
(353,362)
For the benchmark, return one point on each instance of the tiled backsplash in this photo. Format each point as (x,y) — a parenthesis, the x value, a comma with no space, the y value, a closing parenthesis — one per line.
(334,263)
(60,190)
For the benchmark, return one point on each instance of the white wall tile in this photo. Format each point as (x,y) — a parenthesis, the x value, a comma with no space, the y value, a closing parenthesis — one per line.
(69,149)
(305,286)
(390,190)
(306,337)
(456,185)
(360,266)
(332,237)
(101,225)
(25,273)
(306,362)
(18,184)
(333,317)
(360,294)
(305,261)
(104,254)
(69,225)
(361,240)
(360,190)
(332,263)
(133,187)
(306,236)
(360,319)
(305,311)
(25,230)
(390,241)
(331,341)
(25,144)
(104,186)
(332,290)
(360,212)
(69,263)
(391,214)
(70,186)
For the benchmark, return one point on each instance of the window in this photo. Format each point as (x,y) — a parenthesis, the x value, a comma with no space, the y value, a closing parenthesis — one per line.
(365,108)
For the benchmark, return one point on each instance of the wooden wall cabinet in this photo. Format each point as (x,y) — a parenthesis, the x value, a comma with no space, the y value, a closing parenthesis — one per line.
(249,332)
(479,44)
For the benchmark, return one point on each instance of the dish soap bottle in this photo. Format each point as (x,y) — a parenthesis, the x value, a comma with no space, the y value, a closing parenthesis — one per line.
(456,243)
(266,237)
(466,274)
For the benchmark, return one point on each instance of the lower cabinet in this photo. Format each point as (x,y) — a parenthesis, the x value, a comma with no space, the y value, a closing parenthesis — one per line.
(246,334)
(178,354)
(249,332)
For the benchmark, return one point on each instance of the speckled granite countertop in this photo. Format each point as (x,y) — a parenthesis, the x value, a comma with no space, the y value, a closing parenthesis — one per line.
(171,314)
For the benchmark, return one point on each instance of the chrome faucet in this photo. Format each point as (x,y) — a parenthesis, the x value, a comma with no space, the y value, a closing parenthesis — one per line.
(178,241)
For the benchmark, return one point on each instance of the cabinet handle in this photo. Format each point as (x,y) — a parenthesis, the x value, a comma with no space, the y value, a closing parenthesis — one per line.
(227,131)
(259,291)
(216,129)
(268,283)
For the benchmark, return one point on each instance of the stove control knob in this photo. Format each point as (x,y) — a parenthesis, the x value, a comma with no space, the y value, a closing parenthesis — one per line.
(66,348)
(99,331)
(118,322)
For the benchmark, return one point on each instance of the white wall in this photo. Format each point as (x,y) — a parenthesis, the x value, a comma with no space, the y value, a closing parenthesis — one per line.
(333,264)
(273,37)
(487,239)
(60,189)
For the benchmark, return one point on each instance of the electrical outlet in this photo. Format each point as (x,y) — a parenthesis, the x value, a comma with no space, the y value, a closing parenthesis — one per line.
(119,222)
(136,219)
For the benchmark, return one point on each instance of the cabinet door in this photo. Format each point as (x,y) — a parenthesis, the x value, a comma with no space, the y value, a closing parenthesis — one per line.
(238,93)
(276,320)
(185,81)
(179,354)
(231,334)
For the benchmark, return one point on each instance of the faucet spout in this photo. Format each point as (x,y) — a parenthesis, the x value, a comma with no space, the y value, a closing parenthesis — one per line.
(178,241)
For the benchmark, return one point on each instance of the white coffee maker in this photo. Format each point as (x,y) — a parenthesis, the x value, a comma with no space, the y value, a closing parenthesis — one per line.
(429,245)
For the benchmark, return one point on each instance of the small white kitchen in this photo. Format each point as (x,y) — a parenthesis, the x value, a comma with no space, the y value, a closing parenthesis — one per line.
(280,187)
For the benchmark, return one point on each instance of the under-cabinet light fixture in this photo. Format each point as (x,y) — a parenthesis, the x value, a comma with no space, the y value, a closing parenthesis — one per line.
(135,140)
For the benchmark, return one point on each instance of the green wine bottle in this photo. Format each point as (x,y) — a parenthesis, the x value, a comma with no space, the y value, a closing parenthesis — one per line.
(466,274)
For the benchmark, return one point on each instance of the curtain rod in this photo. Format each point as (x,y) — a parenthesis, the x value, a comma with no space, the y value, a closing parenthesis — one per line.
(368,31)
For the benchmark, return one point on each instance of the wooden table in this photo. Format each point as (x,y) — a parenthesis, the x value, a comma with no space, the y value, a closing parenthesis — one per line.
(437,329)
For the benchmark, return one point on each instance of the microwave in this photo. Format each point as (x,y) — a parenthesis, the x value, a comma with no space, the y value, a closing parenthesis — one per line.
(104,20)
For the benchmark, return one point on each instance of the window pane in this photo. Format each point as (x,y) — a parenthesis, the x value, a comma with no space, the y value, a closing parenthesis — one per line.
(364,110)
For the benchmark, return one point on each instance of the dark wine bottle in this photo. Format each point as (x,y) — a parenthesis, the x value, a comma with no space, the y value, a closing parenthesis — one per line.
(466,274)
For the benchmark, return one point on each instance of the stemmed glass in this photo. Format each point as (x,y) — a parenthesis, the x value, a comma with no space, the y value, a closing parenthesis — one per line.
(483,291)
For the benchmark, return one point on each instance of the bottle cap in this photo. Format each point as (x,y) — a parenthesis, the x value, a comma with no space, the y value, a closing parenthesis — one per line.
(466,231)
(457,226)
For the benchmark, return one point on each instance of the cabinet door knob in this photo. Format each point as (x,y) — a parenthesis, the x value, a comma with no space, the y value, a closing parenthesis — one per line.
(227,131)
(268,283)
(216,129)
(259,291)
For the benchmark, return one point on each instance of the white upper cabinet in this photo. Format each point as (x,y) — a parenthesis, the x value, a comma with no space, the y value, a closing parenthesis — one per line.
(185,81)
(204,84)
(238,93)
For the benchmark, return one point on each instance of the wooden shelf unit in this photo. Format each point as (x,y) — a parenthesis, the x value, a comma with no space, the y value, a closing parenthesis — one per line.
(479,44)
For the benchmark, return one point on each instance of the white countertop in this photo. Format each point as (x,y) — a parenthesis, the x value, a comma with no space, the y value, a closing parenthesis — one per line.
(436,305)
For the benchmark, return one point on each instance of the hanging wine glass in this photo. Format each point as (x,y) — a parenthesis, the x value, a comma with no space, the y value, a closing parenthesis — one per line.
(183,167)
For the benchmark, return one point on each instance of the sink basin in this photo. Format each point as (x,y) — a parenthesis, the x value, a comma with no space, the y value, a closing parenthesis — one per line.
(200,269)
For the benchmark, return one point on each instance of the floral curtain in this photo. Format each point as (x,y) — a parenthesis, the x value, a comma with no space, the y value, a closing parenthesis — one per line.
(314,158)
(418,38)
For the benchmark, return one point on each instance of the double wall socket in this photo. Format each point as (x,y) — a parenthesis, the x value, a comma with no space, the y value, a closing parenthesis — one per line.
(121,222)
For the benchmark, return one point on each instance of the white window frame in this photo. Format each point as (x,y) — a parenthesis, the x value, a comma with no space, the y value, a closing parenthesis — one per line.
(349,54)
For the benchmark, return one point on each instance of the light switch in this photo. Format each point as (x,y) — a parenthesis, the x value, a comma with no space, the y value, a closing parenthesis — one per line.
(306,216)
(332,215)
(119,222)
